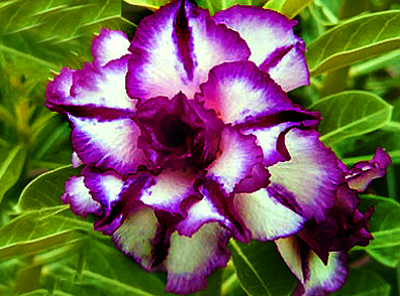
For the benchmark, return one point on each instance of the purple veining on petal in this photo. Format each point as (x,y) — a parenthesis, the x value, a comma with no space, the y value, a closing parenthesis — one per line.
(311,175)
(163,50)
(184,40)
(178,133)
(267,32)
(79,199)
(363,172)
(223,202)
(109,45)
(275,57)
(81,92)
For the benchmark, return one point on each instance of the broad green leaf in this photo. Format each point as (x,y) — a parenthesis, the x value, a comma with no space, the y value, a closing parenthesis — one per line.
(36,36)
(351,113)
(45,191)
(385,227)
(39,230)
(11,164)
(292,7)
(354,40)
(364,283)
(261,270)
(325,12)
(212,5)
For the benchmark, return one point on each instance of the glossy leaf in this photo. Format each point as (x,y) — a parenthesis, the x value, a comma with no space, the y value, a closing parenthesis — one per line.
(351,113)
(11,165)
(42,35)
(290,8)
(354,40)
(364,283)
(211,5)
(261,270)
(46,190)
(385,227)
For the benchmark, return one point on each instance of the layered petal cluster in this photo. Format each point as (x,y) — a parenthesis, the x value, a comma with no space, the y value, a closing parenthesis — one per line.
(317,255)
(187,139)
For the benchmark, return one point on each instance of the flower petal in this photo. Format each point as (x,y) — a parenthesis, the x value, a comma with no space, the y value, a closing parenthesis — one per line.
(308,182)
(78,197)
(239,92)
(107,144)
(81,91)
(363,172)
(316,277)
(105,187)
(109,45)
(136,236)
(238,157)
(168,190)
(175,48)
(274,47)
(192,259)
(265,216)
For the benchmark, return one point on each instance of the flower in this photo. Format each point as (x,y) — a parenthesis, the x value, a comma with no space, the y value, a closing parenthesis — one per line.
(317,255)
(188,138)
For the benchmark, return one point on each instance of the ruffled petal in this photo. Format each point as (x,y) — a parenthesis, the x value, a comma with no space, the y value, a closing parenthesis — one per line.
(308,182)
(136,236)
(265,216)
(168,190)
(78,197)
(109,45)
(363,172)
(91,91)
(274,47)
(192,259)
(326,278)
(239,92)
(239,154)
(315,277)
(105,187)
(200,213)
(107,144)
(174,49)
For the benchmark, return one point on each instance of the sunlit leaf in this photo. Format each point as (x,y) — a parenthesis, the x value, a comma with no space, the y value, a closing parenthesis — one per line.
(261,270)
(46,190)
(351,113)
(290,8)
(211,5)
(385,227)
(364,283)
(11,164)
(354,40)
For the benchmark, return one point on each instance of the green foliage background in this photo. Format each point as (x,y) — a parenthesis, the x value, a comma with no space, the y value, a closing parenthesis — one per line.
(354,58)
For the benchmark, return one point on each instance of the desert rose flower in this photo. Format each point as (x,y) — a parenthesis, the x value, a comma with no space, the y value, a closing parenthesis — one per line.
(188,138)
(317,255)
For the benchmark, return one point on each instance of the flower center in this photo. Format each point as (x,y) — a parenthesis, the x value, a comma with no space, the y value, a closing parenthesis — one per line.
(173,132)
(178,133)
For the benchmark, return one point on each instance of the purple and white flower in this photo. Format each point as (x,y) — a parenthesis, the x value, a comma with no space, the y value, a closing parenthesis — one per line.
(188,138)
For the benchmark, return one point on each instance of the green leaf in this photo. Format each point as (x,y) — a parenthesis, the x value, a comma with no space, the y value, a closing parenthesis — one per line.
(11,165)
(290,8)
(351,113)
(354,40)
(41,230)
(364,283)
(45,191)
(261,270)
(36,36)
(385,227)
(212,5)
